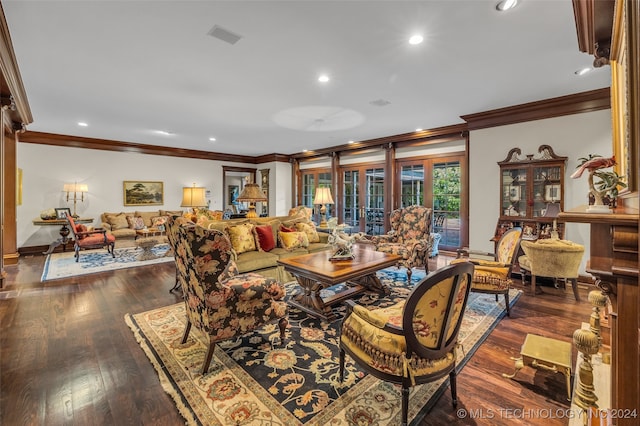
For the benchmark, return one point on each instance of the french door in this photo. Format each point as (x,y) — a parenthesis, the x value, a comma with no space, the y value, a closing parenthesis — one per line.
(436,183)
(362,198)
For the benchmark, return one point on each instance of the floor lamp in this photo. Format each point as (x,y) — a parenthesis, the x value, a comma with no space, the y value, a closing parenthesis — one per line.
(252,194)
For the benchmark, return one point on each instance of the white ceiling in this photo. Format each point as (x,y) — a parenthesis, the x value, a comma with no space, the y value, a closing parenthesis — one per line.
(128,68)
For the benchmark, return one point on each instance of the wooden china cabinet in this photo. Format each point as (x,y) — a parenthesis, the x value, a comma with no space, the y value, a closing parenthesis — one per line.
(531,192)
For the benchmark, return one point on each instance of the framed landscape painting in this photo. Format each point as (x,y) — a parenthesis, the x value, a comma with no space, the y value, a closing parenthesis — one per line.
(143,193)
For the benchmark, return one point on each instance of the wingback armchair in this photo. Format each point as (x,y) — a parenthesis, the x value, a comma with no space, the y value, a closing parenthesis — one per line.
(409,237)
(413,341)
(85,239)
(219,301)
(493,270)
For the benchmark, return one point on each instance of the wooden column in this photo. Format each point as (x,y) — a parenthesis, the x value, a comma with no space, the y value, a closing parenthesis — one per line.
(9,219)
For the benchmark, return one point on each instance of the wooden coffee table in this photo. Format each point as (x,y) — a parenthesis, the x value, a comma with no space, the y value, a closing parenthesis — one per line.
(315,272)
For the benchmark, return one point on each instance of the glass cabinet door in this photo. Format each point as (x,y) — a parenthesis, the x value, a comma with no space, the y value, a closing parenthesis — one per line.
(514,192)
(547,188)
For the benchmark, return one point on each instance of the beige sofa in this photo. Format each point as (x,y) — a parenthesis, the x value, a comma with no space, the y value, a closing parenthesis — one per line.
(123,224)
(254,258)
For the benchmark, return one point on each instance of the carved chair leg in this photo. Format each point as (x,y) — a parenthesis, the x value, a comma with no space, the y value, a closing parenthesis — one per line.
(506,303)
(409,274)
(341,364)
(405,404)
(187,329)
(207,360)
(574,287)
(454,391)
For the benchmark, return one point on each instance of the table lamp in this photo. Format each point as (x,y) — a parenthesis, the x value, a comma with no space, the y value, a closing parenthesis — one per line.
(193,197)
(75,188)
(323,197)
(553,210)
(252,194)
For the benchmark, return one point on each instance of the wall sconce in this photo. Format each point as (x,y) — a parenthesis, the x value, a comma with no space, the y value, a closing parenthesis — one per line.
(252,194)
(75,188)
(323,197)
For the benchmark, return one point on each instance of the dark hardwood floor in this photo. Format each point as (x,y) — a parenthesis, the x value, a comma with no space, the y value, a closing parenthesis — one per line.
(68,358)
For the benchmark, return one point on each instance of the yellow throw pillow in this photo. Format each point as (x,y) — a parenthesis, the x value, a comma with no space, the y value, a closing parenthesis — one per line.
(293,240)
(309,228)
(241,237)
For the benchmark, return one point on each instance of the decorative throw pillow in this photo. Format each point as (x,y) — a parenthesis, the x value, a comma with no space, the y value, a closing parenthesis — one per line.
(293,240)
(118,221)
(135,222)
(264,237)
(79,229)
(287,228)
(159,222)
(309,229)
(241,237)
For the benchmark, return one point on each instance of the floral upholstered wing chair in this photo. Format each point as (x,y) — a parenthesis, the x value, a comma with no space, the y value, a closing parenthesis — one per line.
(409,237)
(219,301)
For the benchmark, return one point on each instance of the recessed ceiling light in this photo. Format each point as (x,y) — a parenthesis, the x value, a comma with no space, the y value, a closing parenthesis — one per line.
(163,132)
(418,129)
(416,39)
(305,150)
(82,124)
(212,139)
(351,141)
(506,5)
(323,78)
(583,71)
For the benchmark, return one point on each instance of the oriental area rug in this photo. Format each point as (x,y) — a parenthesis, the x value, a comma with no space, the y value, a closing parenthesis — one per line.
(254,380)
(64,265)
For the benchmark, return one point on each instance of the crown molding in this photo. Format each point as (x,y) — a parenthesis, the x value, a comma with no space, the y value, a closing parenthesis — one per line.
(11,86)
(593,100)
(138,148)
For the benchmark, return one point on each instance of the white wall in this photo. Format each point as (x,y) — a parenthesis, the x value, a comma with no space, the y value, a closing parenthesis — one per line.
(47,168)
(572,136)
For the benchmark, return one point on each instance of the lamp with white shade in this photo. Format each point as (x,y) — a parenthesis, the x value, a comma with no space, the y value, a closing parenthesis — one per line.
(193,196)
(252,194)
(323,197)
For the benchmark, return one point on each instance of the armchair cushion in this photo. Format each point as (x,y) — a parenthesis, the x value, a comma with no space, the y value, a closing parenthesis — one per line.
(80,228)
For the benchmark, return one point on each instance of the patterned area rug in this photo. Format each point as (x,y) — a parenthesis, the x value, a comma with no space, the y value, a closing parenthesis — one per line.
(255,381)
(63,265)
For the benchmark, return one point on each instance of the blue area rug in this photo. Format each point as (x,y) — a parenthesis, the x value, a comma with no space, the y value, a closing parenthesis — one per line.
(254,381)
(64,265)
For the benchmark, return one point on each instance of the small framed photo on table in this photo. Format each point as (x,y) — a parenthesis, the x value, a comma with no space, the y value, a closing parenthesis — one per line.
(60,212)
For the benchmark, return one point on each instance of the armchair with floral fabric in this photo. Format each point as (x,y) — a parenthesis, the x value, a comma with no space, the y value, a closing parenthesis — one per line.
(410,237)
(219,301)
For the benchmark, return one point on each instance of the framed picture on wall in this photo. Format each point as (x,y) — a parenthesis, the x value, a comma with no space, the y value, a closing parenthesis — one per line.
(234,193)
(143,193)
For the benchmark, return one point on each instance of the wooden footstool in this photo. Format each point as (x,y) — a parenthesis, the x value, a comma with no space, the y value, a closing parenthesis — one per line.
(548,354)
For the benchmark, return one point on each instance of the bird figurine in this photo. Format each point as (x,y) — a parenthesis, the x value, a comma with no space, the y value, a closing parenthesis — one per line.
(593,164)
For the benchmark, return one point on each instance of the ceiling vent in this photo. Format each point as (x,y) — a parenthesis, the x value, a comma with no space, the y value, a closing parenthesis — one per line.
(380,102)
(224,34)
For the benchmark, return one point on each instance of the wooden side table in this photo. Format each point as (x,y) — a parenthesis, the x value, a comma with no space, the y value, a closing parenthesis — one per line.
(548,354)
(64,230)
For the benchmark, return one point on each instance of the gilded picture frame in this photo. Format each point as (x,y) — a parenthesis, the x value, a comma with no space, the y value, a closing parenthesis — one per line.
(623,148)
(143,193)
